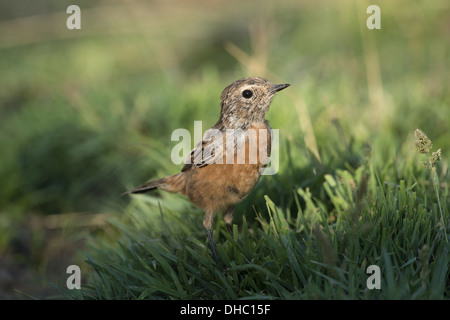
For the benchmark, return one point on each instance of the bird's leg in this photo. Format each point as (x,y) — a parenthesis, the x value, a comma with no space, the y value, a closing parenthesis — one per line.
(213,249)
(207,223)
(228,218)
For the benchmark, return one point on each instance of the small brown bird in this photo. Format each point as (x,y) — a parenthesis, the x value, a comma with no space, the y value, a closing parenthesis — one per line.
(226,165)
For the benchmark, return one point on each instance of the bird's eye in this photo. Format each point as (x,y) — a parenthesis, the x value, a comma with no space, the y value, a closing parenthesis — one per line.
(247,94)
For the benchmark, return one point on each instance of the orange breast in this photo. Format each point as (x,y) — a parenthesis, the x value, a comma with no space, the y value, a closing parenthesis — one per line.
(218,186)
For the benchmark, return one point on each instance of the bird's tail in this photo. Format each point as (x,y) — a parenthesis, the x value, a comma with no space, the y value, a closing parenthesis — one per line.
(175,183)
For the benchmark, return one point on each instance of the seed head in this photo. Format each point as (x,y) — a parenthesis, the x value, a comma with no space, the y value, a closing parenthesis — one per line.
(435,157)
(423,144)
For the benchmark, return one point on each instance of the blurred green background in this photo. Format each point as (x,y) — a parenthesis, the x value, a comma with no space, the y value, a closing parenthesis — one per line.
(86,114)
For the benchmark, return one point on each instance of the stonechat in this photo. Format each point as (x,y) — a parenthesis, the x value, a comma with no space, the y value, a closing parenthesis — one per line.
(222,169)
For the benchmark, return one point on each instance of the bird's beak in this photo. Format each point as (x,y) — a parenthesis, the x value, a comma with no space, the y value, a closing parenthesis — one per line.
(279,87)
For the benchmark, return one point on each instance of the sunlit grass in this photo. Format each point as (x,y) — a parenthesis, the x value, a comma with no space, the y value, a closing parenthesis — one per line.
(301,254)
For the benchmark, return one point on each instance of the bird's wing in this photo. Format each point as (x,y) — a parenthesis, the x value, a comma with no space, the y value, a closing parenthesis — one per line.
(207,151)
(212,149)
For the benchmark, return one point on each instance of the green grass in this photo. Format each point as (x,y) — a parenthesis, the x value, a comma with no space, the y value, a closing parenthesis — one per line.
(285,254)
(86,115)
